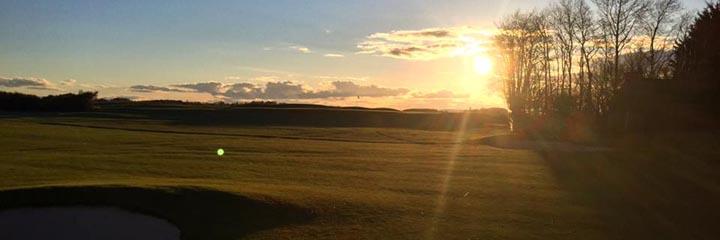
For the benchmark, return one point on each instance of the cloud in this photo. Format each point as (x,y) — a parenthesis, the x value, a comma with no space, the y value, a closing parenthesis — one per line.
(151,88)
(438,33)
(284,90)
(243,91)
(439,94)
(301,49)
(272,90)
(408,51)
(278,90)
(27,82)
(334,55)
(351,89)
(428,44)
(68,82)
(206,87)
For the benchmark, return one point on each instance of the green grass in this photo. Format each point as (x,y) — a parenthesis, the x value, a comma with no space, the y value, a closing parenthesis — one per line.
(363,183)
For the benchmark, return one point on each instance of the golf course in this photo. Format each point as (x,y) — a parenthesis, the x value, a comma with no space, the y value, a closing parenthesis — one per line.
(305,182)
(360,120)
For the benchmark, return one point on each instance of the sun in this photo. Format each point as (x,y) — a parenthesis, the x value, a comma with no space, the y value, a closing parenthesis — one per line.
(479,79)
(482,65)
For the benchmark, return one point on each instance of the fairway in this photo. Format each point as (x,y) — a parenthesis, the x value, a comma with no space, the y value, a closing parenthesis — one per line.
(354,119)
(359,183)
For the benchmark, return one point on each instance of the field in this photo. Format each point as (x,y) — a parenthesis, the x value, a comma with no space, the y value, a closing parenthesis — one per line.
(302,182)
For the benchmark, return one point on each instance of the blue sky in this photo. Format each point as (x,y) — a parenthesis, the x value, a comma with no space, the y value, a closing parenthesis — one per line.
(110,46)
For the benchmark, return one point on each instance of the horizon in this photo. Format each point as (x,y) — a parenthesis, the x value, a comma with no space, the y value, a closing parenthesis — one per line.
(422,55)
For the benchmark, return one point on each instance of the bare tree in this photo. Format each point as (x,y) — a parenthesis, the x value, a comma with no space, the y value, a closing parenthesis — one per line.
(586,36)
(564,19)
(520,46)
(663,19)
(572,56)
(620,20)
(547,47)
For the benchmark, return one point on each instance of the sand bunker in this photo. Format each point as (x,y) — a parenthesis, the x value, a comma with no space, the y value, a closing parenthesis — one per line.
(80,223)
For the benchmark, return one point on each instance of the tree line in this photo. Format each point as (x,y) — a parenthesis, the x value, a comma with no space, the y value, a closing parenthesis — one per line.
(571,61)
(69,102)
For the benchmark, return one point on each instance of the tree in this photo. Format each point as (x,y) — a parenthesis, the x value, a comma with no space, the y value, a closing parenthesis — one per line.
(520,46)
(619,21)
(586,36)
(82,101)
(697,60)
(562,15)
(565,65)
(663,19)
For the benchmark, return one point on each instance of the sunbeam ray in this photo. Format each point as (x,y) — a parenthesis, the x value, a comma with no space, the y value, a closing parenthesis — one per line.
(441,202)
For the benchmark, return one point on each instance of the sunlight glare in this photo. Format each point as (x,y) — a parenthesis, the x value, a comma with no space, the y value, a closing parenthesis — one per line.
(482,65)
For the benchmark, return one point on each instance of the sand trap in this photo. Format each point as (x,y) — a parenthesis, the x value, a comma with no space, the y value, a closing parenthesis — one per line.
(80,223)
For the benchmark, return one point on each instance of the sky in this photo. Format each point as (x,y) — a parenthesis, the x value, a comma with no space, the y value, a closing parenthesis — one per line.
(373,53)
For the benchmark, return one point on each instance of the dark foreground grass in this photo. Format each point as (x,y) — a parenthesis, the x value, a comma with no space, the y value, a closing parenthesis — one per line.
(199,213)
(363,183)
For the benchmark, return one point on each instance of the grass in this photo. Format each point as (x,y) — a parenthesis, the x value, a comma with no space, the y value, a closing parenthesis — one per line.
(219,212)
(359,183)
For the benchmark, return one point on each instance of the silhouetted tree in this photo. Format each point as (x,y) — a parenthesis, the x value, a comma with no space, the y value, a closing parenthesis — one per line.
(82,101)
(663,18)
(521,45)
(19,102)
(586,34)
(566,66)
(619,21)
(697,60)
(564,24)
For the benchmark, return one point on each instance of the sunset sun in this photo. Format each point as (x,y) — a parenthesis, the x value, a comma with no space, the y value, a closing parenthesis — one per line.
(482,65)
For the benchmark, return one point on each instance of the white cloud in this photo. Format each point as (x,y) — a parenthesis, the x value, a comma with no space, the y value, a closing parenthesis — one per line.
(301,49)
(428,44)
(334,55)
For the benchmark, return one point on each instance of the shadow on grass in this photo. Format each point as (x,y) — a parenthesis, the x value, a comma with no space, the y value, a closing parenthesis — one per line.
(511,141)
(640,194)
(198,213)
(296,117)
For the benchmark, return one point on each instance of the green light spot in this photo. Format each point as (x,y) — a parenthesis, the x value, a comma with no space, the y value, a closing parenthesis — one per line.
(220,151)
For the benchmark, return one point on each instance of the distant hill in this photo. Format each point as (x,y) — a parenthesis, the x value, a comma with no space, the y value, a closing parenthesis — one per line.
(253,113)
(425,110)
(290,114)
